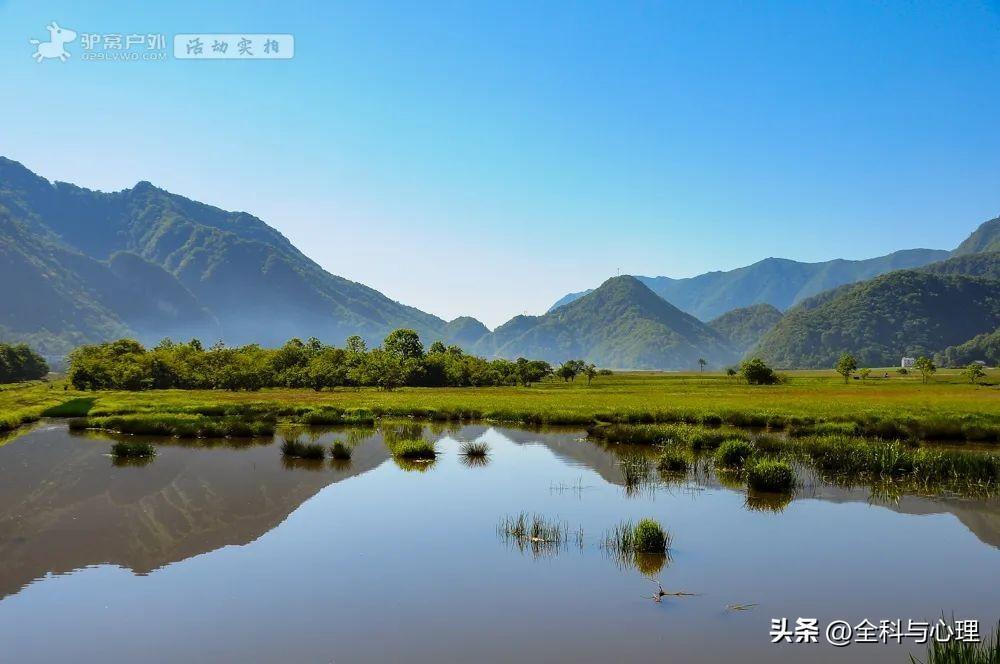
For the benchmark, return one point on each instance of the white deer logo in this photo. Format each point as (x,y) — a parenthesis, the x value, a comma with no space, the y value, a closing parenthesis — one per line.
(53,48)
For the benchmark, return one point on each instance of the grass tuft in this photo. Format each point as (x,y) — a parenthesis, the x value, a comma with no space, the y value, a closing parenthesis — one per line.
(770,475)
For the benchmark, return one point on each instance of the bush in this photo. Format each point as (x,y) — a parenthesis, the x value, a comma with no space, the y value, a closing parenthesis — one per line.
(755,372)
(734,453)
(649,537)
(770,475)
(291,447)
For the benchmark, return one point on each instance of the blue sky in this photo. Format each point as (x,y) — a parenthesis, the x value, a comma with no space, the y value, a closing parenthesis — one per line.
(484,159)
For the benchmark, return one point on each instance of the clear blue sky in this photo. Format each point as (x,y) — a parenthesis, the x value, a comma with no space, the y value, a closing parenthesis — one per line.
(484,159)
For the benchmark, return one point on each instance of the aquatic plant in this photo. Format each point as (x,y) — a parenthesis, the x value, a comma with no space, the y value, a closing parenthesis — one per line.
(132,449)
(292,447)
(412,449)
(770,475)
(649,537)
(733,453)
(340,451)
(175,424)
(671,460)
(475,449)
(953,651)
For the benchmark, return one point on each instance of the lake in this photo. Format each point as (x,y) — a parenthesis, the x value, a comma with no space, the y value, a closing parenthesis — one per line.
(218,551)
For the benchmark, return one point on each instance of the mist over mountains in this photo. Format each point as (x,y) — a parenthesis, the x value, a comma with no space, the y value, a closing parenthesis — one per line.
(81,266)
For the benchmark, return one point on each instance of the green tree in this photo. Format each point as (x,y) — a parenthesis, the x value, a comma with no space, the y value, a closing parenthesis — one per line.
(355,344)
(974,372)
(437,348)
(702,363)
(590,370)
(926,367)
(755,372)
(846,366)
(865,373)
(568,370)
(404,343)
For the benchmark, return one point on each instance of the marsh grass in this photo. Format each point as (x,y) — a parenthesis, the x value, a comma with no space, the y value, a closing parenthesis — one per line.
(642,545)
(79,407)
(770,475)
(537,534)
(412,449)
(672,461)
(474,449)
(340,451)
(132,449)
(733,454)
(637,473)
(177,425)
(987,651)
(293,448)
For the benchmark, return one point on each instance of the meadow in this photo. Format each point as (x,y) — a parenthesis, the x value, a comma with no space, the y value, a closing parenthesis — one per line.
(948,407)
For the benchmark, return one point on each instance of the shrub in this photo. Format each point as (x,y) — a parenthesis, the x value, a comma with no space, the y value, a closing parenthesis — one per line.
(770,475)
(734,453)
(755,372)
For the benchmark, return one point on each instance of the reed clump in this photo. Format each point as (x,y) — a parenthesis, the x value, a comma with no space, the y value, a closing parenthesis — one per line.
(772,475)
(132,450)
(340,451)
(412,449)
(293,448)
(733,454)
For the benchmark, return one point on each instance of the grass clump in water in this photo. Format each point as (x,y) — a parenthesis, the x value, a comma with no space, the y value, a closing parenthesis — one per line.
(412,449)
(340,451)
(770,475)
(293,448)
(132,450)
(672,460)
(536,533)
(734,453)
(647,536)
(176,424)
(474,449)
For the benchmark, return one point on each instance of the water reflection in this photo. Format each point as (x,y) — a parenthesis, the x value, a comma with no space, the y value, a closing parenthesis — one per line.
(330,541)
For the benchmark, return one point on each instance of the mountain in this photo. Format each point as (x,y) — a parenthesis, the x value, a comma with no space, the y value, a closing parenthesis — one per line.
(779,282)
(985,265)
(986,238)
(145,262)
(909,312)
(984,347)
(744,327)
(465,331)
(621,324)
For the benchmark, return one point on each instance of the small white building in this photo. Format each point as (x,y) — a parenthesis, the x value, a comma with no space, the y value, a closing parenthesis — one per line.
(908,362)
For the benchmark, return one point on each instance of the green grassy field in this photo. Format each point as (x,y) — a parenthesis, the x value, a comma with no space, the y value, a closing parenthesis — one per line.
(948,401)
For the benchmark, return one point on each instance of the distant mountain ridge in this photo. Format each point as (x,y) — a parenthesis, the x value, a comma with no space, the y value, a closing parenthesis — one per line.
(779,282)
(621,324)
(144,262)
(907,312)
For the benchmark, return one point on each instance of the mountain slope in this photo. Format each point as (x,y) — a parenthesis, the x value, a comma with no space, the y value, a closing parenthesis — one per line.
(229,268)
(465,331)
(909,312)
(986,238)
(744,327)
(622,324)
(779,282)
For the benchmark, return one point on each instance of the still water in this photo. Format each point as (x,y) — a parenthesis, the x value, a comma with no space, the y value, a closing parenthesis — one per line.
(229,553)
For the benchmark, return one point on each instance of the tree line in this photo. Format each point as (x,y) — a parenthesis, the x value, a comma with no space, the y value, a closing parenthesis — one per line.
(18,362)
(401,360)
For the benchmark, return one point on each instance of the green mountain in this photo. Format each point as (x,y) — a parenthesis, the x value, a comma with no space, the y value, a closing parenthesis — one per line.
(986,238)
(970,265)
(465,331)
(745,326)
(621,324)
(984,347)
(779,282)
(909,312)
(91,265)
